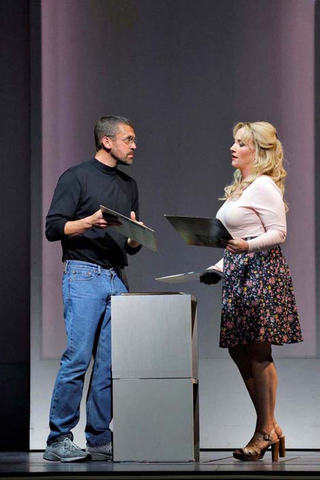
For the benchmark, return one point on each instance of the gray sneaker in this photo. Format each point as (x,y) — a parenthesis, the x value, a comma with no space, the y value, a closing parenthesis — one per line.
(65,451)
(102,452)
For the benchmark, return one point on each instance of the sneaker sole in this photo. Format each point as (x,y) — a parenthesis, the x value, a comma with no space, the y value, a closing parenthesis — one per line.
(100,457)
(51,457)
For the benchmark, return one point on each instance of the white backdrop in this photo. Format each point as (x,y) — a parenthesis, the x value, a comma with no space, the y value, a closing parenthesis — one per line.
(184,78)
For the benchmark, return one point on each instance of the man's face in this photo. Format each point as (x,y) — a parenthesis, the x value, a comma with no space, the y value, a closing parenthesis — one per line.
(123,145)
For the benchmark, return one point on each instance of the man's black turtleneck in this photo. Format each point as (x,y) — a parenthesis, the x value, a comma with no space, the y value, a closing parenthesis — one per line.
(79,193)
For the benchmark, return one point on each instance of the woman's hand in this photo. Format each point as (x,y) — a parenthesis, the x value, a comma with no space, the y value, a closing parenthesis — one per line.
(237,245)
(210,277)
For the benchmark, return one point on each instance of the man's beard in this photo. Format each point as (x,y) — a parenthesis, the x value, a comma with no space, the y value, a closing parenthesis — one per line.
(123,162)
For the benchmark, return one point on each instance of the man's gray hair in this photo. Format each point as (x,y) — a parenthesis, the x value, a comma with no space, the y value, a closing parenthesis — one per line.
(107,126)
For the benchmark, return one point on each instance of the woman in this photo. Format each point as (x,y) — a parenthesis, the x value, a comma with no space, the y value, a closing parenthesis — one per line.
(258,304)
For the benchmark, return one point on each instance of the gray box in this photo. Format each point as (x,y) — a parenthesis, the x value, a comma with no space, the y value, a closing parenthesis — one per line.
(154,336)
(155,370)
(155,420)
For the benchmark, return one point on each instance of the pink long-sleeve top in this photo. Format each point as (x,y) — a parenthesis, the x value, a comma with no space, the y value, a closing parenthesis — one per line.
(259,212)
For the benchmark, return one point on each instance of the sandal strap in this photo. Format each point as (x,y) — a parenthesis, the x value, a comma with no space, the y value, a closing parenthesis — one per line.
(252,447)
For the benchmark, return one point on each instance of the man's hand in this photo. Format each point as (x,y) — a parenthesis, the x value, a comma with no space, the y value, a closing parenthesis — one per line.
(130,242)
(98,220)
(237,245)
(210,277)
(76,227)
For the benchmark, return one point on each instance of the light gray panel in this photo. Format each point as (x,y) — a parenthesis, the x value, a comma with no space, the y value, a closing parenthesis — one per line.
(228,418)
(154,420)
(152,336)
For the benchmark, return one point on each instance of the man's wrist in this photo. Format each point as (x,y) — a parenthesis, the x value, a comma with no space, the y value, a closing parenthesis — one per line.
(87,222)
(77,227)
(132,243)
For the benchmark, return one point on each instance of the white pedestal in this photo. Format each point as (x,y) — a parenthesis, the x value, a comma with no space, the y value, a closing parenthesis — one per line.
(155,378)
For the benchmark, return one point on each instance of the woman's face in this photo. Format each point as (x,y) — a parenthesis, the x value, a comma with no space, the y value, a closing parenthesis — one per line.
(243,153)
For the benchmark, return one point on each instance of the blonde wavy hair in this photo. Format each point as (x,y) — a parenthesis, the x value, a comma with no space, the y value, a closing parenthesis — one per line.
(268,157)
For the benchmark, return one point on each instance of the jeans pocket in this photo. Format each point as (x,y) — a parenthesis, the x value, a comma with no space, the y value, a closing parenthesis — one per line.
(81,274)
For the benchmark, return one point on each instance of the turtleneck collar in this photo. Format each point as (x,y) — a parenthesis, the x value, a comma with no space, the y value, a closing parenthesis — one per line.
(104,168)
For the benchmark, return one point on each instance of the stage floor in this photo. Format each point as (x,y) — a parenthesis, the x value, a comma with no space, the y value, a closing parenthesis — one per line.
(213,464)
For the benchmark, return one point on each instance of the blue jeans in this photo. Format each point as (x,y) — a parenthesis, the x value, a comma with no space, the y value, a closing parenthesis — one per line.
(87,290)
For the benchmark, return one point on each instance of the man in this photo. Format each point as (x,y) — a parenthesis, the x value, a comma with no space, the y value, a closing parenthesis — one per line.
(94,258)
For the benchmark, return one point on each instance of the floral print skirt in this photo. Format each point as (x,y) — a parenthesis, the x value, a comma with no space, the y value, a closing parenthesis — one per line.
(258,301)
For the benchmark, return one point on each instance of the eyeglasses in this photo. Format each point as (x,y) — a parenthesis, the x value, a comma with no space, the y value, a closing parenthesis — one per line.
(127,140)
